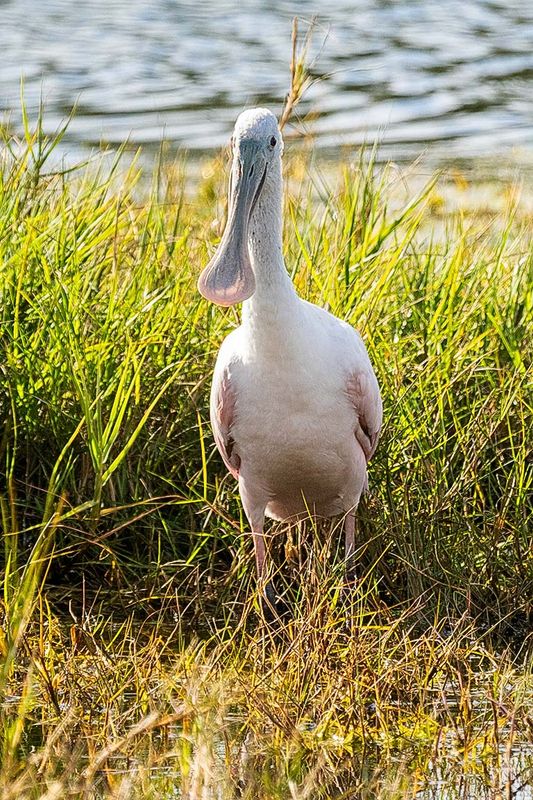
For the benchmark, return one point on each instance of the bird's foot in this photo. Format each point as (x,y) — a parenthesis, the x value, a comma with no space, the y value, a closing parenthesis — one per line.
(272,606)
(268,602)
(351,581)
(349,595)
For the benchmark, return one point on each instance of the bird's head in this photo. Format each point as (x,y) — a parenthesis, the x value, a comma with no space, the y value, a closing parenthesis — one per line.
(256,148)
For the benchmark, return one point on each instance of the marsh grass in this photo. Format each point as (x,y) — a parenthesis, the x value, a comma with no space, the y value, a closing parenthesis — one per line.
(135,662)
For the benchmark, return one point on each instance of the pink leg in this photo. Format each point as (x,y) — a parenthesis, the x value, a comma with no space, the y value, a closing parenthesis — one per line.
(349,541)
(255,513)
(265,583)
(260,551)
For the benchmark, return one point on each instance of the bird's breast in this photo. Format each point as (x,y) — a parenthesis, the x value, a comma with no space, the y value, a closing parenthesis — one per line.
(294,433)
(293,426)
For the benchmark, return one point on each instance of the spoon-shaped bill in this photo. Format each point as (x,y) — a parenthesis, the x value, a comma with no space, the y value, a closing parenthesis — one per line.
(229,277)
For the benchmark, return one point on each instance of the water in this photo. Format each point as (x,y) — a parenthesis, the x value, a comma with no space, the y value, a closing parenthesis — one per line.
(452,77)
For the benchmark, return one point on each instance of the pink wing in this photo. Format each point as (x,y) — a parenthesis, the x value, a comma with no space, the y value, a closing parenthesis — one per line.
(222,413)
(363,392)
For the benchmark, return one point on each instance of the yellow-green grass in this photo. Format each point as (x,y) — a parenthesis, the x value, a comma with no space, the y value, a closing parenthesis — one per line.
(134,659)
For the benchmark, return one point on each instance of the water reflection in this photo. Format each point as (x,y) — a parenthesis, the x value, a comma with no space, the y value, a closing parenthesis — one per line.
(456,75)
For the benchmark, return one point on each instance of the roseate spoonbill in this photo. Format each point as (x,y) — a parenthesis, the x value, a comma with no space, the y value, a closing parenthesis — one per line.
(295,405)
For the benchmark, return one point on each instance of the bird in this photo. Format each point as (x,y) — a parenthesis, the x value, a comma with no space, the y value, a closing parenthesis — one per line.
(295,405)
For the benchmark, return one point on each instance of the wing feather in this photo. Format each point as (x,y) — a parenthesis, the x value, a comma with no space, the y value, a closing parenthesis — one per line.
(363,391)
(223,399)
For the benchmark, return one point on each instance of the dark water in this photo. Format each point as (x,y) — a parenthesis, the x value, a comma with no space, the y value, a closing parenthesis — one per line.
(452,77)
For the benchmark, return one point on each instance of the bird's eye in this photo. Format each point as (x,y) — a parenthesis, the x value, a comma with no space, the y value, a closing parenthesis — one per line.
(273,141)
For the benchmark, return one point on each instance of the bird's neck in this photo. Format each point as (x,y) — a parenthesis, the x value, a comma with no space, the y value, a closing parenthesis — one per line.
(274,291)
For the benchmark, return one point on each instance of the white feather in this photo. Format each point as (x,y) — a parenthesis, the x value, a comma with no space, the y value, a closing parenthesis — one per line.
(295,404)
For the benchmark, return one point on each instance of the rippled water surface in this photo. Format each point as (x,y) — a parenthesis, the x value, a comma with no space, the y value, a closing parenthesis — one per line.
(454,78)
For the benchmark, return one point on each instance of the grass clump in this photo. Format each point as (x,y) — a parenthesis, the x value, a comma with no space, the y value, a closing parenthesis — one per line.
(118,709)
(132,661)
